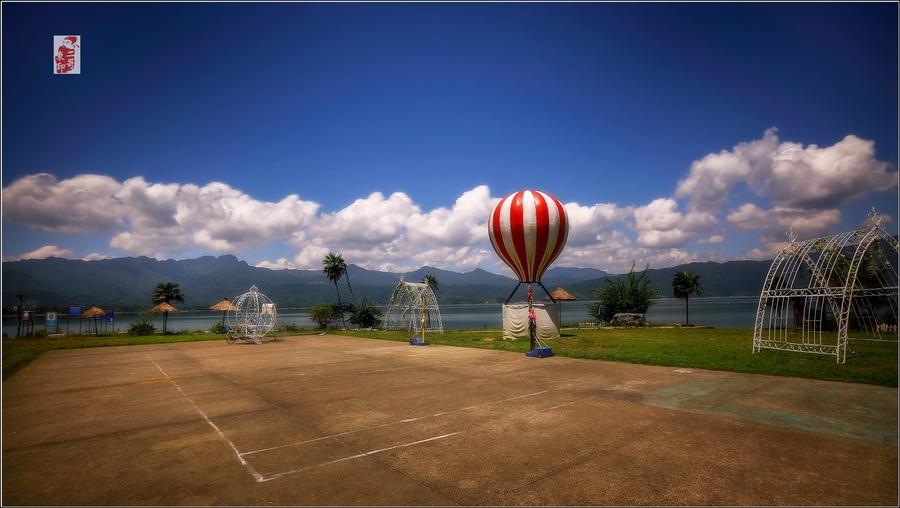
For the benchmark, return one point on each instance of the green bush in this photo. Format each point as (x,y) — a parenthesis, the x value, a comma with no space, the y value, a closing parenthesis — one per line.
(365,315)
(289,327)
(218,327)
(629,293)
(323,315)
(142,326)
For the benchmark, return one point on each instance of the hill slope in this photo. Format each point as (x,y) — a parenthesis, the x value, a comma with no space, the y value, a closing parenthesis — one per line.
(126,283)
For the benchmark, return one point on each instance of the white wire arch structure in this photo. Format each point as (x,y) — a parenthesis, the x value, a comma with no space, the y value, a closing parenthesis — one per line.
(413,306)
(818,290)
(254,318)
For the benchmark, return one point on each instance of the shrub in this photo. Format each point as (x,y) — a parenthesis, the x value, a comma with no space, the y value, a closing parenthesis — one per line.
(289,327)
(365,315)
(324,314)
(217,327)
(142,326)
(631,293)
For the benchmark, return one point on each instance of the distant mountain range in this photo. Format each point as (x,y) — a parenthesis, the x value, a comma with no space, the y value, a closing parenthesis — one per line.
(126,283)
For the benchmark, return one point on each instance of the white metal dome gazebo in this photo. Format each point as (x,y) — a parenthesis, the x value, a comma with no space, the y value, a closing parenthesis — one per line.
(817,290)
(253,319)
(414,307)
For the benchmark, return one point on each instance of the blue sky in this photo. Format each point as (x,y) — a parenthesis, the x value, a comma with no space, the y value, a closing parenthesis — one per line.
(443,109)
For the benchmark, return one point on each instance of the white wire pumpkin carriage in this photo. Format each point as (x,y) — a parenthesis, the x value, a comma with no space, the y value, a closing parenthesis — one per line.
(253,318)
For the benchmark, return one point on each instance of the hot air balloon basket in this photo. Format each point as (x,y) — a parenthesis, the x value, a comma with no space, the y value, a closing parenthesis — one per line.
(540,352)
(417,341)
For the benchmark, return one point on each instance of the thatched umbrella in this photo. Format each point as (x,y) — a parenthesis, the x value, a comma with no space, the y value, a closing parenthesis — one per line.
(224,305)
(165,308)
(559,294)
(93,312)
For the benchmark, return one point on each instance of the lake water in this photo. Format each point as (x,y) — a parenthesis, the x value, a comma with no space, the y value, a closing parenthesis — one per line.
(733,312)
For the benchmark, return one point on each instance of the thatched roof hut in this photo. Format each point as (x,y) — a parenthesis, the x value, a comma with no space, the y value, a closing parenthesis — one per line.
(560,294)
(93,312)
(163,307)
(224,305)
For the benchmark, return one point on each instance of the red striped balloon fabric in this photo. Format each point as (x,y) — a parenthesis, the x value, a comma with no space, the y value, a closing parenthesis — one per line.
(528,229)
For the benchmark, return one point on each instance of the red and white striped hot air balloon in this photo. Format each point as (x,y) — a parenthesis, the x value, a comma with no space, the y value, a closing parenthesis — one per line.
(528,230)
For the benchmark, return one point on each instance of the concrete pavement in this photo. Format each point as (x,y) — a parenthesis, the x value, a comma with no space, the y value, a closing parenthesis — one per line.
(326,420)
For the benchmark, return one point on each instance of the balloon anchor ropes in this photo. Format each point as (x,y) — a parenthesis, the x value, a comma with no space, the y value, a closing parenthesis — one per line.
(528,230)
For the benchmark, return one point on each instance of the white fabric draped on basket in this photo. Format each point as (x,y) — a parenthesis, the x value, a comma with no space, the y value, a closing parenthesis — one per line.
(515,320)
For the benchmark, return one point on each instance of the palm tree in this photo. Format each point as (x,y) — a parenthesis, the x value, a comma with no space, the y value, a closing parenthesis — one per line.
(347,274)
(166,292)
(684,285)
(432,282)
(335,268)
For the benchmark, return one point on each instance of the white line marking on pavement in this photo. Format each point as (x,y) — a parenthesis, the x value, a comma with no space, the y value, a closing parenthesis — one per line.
(562,405)
(357,456)
(405,420)
(384,370)
(256,476)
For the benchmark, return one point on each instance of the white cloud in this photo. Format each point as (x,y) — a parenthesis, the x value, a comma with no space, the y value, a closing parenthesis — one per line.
(660,224)
(799,187)
(44,252)
(791,175)
(310,256)
(96,256)
(774,223)
(465,223)
(611,250)
(393,232)
(814,177)
(154,218)
(615,252)
(80,204)
(765,252)
(279,264)
(712,239)
(588,223)
(373,220)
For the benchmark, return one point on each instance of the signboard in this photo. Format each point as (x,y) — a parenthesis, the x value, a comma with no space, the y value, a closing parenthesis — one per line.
(110,316)
(75,311)
(50,322)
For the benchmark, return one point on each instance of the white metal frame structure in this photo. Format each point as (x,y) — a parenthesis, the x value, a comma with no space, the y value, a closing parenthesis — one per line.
(254,318)
(815,289)
(413,306)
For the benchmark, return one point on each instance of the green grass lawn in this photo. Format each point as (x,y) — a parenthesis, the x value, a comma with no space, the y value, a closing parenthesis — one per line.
(703,348)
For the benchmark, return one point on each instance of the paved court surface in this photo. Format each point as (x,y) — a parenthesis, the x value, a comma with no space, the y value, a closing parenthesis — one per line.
(334,421)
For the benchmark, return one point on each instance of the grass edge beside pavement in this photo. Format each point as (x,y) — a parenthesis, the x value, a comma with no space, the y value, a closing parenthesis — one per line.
(721,349)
